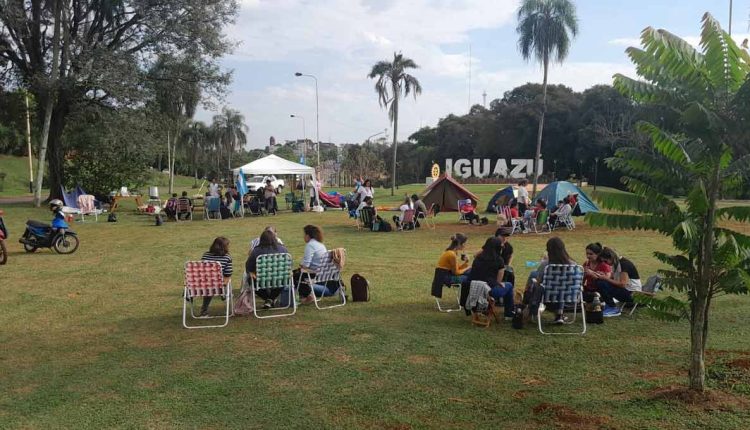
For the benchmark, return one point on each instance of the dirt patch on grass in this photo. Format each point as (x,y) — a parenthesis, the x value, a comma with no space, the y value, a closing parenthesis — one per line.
(566,417)
(521,394)
(25,390)
(418,359)
(656,375)
(532,381)
(713,400)
(740,363)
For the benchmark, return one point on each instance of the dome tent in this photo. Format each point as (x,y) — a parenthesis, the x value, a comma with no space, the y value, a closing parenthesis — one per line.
(508,192)
(557,191)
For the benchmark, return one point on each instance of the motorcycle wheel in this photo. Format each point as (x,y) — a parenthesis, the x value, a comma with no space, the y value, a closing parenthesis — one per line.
(29,248)
(3,253)
(66,244)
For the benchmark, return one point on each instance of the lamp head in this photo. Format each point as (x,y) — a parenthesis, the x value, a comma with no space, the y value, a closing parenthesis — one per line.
(298,74)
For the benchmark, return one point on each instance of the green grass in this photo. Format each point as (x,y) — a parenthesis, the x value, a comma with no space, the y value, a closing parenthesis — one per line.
(94,340)
(16,170)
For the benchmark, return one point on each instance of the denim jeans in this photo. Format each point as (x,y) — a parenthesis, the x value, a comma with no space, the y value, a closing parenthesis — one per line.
(609,293)
(505,291)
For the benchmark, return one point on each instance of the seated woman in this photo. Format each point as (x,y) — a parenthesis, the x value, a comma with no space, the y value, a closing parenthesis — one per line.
(170,208)
(267,244)
(469,212)
(489,267)
(405,206)
(452,266)
(218,252)
(315,252)
(225,207)
(556,254)
(367,205)
(563,210)
(620,286)
(593,267)
(531,214)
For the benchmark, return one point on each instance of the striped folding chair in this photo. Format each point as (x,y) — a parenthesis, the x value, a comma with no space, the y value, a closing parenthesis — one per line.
(563,284)
(429,217)
(329,274)
(274,271)
(205,279)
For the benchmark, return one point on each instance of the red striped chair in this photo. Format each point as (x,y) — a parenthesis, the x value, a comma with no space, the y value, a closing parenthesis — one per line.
(205,279)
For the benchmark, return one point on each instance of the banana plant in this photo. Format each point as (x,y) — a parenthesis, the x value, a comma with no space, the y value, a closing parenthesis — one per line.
(696,161)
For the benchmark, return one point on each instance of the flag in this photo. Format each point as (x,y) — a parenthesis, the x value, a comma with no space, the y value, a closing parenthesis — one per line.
(241,184)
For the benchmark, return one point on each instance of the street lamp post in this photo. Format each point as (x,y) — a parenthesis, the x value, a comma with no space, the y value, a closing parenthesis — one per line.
(317,113)
(596,171)
(376,134)
(304,136)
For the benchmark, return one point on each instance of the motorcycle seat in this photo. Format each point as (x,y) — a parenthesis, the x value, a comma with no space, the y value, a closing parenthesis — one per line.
(37,224)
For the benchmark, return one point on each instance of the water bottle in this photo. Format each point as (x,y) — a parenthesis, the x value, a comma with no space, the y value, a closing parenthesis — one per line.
(532,263)
(596,304)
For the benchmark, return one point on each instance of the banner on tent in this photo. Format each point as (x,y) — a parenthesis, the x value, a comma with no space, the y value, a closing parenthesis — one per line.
(515,168)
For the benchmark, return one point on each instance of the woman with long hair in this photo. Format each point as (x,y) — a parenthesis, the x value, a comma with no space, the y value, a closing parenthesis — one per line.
(219,252)
(593,269)
(556,254)
(489,267)
(268,243)
(452,266)
(620,285)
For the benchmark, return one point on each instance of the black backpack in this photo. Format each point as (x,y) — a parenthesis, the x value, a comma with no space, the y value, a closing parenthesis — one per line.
(360,288)
(112,217)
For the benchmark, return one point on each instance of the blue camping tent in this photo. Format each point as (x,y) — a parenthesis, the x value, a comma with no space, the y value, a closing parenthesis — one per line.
(505,192)
(556,191)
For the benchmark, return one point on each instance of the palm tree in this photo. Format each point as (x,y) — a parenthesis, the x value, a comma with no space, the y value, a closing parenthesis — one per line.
(392,79)
(196,135)
(231,129)
(545,29)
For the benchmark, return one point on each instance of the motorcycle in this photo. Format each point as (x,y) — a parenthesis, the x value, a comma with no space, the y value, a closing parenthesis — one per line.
(42,235)
(3,236)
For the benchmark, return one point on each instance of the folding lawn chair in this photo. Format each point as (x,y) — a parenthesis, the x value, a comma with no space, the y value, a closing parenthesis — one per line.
(455,284)
(183,207)
(429,217)
(213,206)
(205,279)
(274,271)
(563,284)
(650,288)
(512,223)
(365,218)
(462,214)
(540,223)
(87,206)
(329,273)
(565,220)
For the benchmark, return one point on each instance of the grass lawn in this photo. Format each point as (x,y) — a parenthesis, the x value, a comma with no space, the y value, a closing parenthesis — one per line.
(94,340)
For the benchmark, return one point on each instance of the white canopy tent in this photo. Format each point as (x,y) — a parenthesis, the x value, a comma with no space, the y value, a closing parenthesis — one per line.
(275,165)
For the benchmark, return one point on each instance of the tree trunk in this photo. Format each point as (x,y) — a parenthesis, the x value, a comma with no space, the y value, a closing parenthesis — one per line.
(169,163)
(51,92)
(697,343)
(538,154)
(55,150)
(395,140)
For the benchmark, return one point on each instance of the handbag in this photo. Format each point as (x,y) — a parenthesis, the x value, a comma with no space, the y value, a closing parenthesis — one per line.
(244,303)
(360,288)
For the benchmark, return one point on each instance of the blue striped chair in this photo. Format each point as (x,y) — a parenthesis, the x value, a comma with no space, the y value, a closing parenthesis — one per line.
(274,271)
(563,284)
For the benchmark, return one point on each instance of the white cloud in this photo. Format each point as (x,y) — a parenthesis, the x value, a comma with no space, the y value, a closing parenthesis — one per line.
(626,41)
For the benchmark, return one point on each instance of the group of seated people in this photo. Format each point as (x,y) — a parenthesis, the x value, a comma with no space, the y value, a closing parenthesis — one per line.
(608,277)
(564,208)
(413,203)
(269,243)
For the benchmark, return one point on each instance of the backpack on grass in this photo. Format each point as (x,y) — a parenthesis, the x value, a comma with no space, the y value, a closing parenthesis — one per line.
(360,288)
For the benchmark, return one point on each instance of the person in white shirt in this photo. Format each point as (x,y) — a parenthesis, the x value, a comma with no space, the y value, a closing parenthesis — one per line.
(563,211)
(312,259)
(523,196)
(365,190)
(213,188)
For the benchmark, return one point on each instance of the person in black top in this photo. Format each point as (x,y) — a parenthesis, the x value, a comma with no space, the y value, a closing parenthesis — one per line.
(489,267)
(506,252)
(268,244)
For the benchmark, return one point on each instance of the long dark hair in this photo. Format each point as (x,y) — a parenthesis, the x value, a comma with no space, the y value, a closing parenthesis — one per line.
(457,240)
(556,253)
(610,254)
(314,232)
(491,249)
(267,239)
(597,249)
(220,246)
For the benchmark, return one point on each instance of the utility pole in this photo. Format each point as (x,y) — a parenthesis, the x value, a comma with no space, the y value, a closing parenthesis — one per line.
(730,17)
(28,143)
(484,99)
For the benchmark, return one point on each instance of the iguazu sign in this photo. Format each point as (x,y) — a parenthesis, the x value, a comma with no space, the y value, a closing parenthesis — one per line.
(482,168)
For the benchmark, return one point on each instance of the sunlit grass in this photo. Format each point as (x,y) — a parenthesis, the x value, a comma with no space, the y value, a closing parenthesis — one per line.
(94,339)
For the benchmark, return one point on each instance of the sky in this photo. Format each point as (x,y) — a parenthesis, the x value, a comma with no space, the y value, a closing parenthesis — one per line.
(338,41)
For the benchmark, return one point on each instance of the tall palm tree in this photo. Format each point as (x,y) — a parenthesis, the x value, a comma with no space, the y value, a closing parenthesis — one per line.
(231,129)
(196,135)
(392,80)
(545,29)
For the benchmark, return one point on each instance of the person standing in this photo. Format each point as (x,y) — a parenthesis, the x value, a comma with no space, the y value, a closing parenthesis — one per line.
(269,194)
(213,188)
(523,196)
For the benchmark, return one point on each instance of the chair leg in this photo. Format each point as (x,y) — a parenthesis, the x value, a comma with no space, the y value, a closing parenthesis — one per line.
(458,301)
(292,304)
(341,293)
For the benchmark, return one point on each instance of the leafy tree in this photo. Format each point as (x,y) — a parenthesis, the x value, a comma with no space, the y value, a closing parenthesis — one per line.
(230,132)
(705,88)
(545,28)
(196,137)
(392,80)
(104,48)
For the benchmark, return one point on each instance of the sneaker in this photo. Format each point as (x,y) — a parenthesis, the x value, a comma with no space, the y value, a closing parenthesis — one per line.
(561,319)
(307,300)
(204,313)
(611,311)
(268,304)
